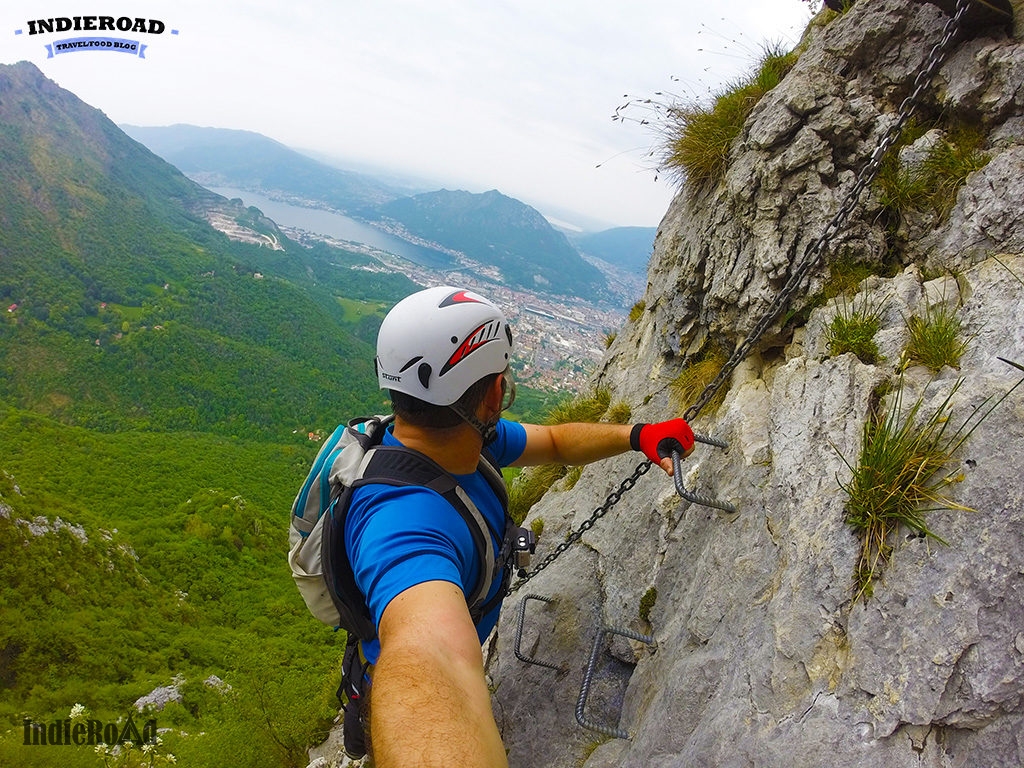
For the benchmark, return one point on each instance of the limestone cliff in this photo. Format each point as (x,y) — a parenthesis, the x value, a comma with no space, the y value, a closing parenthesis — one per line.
(762,655)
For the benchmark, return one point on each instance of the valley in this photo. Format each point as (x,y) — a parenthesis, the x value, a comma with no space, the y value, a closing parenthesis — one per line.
(559,340)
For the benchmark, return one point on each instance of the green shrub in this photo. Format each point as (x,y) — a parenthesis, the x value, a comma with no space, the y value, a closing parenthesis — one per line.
(853,329)
(637,311)
(530,486)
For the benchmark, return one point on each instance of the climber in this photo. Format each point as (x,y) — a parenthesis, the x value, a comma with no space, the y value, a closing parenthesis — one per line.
(444,356)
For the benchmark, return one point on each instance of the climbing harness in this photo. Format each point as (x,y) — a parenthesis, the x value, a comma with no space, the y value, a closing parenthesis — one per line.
(815,250)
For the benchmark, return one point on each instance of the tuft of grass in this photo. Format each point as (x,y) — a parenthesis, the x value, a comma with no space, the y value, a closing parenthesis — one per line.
(895,476)
(618,413)
(853,330)
(932,185)
(691,381)
(537,526)
(697,136)
(637,311)
(937,338)
(893,480)
(530,486)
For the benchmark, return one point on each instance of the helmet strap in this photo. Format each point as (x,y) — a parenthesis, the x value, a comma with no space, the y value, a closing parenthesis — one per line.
(488,431)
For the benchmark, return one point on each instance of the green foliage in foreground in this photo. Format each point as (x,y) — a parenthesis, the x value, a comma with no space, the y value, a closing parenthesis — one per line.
(181,572)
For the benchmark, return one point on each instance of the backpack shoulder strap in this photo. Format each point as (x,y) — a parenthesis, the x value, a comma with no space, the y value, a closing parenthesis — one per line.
(400,466)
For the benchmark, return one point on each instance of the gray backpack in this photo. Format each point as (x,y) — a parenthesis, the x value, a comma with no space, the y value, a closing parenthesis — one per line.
(351,457)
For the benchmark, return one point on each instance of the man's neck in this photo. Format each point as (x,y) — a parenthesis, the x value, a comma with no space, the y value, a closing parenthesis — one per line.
(456,449)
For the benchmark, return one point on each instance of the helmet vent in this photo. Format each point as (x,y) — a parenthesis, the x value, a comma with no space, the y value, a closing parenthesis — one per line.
(410,364)
(424,372)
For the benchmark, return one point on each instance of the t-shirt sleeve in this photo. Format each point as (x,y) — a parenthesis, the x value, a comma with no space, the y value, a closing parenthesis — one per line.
(411,536)
(509,443)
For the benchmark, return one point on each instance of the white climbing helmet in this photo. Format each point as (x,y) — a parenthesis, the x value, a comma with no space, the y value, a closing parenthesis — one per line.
(437,343)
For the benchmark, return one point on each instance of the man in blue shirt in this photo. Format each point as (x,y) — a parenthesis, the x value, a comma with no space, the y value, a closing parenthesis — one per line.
(444,354)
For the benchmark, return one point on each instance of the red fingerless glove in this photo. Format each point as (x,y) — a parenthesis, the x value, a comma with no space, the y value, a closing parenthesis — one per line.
(657,441)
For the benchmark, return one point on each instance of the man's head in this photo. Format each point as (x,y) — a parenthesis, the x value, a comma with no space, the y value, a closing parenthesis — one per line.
(439,352)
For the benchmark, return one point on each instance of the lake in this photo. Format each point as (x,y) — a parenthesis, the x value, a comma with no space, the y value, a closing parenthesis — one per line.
(338,226)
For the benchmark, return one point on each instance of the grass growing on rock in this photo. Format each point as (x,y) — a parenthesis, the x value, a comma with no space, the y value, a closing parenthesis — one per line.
(853,329)
(936,338)
(692,380)
(892,482)
(697,135)
(907,461)
(933,183)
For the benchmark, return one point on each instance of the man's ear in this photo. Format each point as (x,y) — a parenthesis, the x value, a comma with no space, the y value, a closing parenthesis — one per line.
(495,394)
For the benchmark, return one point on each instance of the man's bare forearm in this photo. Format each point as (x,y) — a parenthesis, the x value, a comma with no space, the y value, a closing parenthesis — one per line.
(430,706)
(577,443)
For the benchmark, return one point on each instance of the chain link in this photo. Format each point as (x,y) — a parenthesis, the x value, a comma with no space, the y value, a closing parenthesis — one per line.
(812,255)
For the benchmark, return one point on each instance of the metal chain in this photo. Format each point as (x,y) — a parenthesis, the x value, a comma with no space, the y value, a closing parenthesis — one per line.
(812,255)
(612,499)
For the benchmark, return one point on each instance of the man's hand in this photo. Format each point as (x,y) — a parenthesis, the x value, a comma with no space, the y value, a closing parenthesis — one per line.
(658,441)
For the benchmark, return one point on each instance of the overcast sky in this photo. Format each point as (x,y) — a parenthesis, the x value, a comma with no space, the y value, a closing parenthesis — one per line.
(512,95)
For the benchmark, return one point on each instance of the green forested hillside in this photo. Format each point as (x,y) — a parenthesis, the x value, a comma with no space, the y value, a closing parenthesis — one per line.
(494,229)
(157,385)
(122,308)
(131,559)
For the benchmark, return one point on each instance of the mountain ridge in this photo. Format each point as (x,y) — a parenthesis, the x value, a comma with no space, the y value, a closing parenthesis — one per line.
(491,229)
(126,308)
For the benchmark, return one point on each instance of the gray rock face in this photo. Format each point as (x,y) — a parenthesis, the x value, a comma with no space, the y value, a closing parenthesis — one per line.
(762,656)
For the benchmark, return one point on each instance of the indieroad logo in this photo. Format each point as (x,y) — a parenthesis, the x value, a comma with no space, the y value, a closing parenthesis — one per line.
(97,41)
(84,731)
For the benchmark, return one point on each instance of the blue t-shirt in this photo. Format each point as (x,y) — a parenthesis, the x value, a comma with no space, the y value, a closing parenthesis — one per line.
(398,537)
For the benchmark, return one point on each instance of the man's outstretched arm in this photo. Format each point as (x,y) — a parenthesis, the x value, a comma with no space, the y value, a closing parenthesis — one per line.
(582,443)
(429,704)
